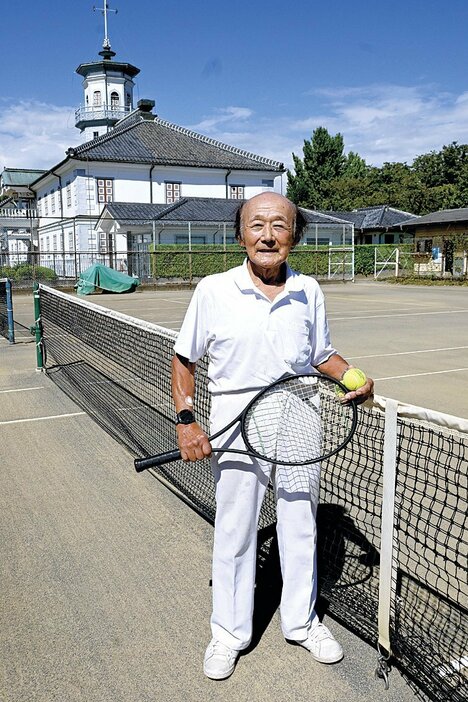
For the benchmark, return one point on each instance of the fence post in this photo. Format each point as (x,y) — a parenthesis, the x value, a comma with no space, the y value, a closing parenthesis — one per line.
(224,247)
(38,328)
(397,262)
(9,305)
(190,251)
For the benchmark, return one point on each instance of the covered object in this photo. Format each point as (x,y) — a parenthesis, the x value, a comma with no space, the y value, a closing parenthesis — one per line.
(102,277)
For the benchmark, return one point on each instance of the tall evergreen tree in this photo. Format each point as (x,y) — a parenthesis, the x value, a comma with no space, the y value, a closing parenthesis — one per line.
(326,179)
(323,161)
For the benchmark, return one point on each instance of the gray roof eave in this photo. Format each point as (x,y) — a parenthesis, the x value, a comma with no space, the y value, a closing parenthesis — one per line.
(180,162)
(51,171)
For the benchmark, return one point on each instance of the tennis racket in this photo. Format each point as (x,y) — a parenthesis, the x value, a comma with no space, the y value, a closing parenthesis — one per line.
(298,419)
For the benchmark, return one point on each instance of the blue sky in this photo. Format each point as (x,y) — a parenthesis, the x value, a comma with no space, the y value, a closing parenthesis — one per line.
(390,76)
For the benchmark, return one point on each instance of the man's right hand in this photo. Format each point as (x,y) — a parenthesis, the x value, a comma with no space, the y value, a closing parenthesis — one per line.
(193,443)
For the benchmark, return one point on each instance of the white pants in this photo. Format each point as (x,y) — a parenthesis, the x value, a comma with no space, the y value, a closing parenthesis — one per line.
(241,482)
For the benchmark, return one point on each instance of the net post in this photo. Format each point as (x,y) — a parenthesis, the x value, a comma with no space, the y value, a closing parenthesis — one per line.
(9,304)
(387,532)
(37,328)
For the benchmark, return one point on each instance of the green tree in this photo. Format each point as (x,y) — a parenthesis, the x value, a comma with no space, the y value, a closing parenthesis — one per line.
(355,166)
(326,179)
(323,161)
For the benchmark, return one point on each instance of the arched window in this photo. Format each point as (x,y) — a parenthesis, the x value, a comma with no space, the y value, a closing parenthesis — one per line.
(97,98)
(114,100)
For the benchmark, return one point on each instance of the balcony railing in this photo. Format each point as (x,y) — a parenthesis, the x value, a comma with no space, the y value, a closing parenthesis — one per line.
(18,214)
(98,112)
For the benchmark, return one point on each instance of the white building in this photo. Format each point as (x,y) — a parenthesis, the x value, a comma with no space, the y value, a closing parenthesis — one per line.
(18,216)
(144,159)
(133,156)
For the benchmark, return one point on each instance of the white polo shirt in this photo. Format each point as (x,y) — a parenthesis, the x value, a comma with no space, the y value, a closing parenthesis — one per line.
(250,340)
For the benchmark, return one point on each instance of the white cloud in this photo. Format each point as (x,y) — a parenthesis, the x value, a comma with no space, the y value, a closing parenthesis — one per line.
(222,116)
(392,122)
(380,122)
(34,134)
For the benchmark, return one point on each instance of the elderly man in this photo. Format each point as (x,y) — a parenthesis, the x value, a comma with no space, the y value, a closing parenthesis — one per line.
(256,323)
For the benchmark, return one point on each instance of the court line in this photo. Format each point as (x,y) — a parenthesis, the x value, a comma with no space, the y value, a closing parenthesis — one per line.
(407,353)
(415,375)
(388,301)
(385,316)
(41,419)
(39,387)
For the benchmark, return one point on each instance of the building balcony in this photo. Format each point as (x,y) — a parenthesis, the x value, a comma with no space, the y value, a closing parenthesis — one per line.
(99,114)
(13,218)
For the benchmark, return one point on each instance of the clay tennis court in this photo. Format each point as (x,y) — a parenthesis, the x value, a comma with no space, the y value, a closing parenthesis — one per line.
(106,573)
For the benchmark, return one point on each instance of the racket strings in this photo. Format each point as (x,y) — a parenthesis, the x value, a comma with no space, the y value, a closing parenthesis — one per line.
(298,421)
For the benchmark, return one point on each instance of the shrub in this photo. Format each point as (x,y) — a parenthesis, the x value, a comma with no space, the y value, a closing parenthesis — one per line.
(26,271)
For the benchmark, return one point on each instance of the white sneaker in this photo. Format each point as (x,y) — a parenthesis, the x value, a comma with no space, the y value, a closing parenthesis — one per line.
(322,644)
(220,660)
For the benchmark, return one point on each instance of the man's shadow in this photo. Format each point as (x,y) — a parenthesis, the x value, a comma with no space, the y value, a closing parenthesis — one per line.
(345,558)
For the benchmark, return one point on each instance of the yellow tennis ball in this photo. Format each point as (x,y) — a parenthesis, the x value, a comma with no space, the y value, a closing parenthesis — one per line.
(354,379)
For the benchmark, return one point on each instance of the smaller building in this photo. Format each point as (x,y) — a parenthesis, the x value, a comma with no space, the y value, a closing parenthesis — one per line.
(374,225)
(18,215)
(132,231)
(441,240)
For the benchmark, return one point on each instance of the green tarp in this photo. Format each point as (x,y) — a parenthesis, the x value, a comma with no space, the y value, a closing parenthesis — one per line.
(105,278)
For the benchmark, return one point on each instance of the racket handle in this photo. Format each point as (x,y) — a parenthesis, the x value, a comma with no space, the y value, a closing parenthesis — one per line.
(142,464)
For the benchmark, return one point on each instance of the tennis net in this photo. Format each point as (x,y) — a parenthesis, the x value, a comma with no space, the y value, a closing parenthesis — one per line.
(117,369)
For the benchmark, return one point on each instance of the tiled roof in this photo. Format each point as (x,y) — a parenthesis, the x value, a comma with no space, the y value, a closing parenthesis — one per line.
(155,141)
(193,209)
(187,209)
(379,217)
(135,213)
(315,217)
(19,176)
(440,217)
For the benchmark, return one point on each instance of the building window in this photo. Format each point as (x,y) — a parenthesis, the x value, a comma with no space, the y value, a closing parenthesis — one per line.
(105,189)
(47,243)
(97,98)
(424,245)
(46,204)
(95,135)
(268,183)
(173,192)
(39,208)
(237,192)
(104,242)
(52,201)
(54,242)
(128,100)
(70,241)
(114,100)
(68,191)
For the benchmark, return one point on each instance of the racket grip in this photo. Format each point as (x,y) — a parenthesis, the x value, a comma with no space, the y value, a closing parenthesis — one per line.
(142,464)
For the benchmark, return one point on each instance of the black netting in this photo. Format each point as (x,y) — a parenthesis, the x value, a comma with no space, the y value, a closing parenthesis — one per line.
(118,370)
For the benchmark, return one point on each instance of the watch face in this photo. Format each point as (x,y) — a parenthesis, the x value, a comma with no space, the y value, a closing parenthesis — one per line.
(185,417)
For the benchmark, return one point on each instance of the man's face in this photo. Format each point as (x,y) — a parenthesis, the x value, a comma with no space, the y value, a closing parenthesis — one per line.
(268,223)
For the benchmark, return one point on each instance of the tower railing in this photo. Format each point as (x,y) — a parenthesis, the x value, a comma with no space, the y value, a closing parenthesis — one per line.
(96,112)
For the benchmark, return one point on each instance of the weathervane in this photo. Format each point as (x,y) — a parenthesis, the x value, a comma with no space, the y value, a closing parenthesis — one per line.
(105,9)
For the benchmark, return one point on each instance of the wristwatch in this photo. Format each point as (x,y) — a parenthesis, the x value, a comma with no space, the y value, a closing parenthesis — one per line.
(185,416)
